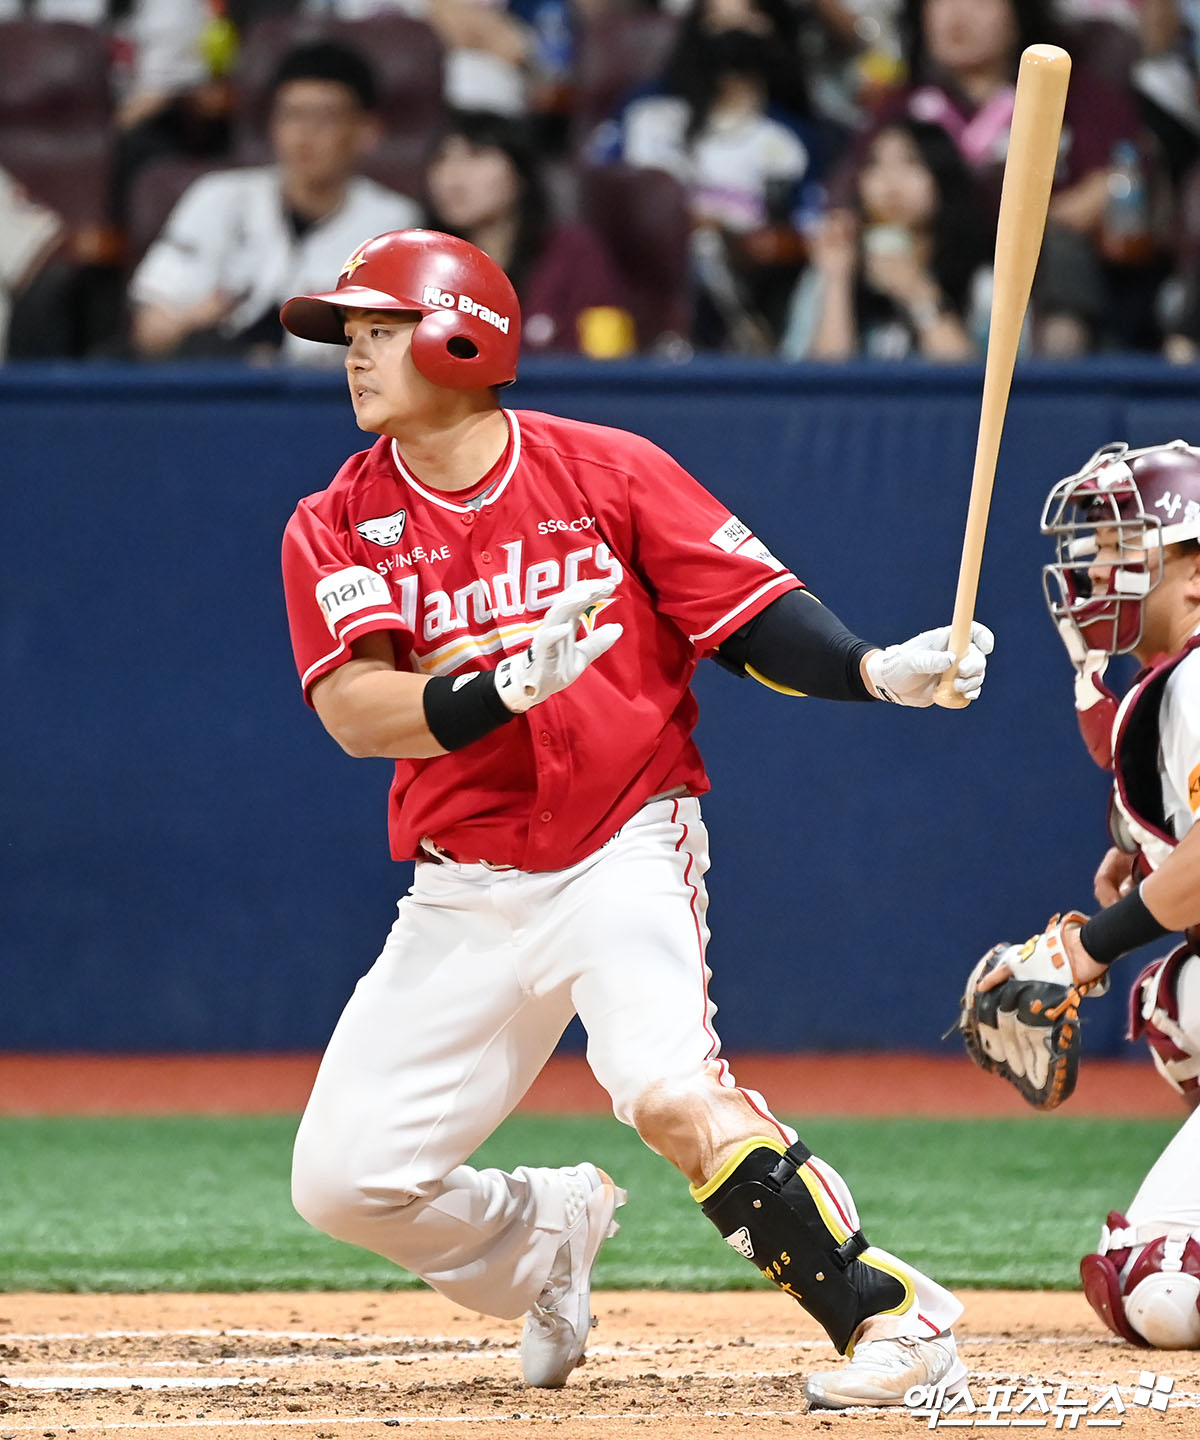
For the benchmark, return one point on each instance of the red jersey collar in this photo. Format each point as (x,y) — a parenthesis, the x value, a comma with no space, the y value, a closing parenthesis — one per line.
(504,468)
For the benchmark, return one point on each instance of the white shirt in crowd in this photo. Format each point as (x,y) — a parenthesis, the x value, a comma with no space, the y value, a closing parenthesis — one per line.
(229,233)
(471,79)
(728,166)
(165,36)
(1114,12)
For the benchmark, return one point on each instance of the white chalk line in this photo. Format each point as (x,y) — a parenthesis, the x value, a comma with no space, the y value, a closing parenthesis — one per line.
(130,1382)
(409,1357)
(512,1417)
(485,1354)
(1090,1380)
(464,1348)
(604,1417)
(467,1343)
(242,1332)
(138,1383)
(412,1357)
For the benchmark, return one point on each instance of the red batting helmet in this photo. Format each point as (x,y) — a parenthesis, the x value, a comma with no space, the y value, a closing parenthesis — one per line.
(470,328)
(1147,499)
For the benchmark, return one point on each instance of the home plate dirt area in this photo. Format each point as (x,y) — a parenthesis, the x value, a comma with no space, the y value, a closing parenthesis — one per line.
(333,1366)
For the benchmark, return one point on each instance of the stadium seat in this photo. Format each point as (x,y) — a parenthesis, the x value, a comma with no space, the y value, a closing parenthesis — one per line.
(53,75)
(642,215)
(55,105)
(156,189)
(406,56)
(69,171)
(1188,222)
(398,162)
(618,54)
(1105,48)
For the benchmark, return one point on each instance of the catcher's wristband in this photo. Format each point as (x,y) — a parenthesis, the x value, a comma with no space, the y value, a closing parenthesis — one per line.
(1122,927)
(460,711)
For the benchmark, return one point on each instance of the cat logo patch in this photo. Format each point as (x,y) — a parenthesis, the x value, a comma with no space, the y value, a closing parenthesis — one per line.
(386,530)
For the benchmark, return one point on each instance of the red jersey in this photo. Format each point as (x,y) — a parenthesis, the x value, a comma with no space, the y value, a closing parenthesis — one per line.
(463,583)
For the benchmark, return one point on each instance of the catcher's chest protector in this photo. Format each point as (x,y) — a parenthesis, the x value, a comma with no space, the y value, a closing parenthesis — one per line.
(1137,818)
(774,1211)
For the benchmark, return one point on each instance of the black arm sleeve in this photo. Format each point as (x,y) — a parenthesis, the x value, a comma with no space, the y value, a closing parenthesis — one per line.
(796,644)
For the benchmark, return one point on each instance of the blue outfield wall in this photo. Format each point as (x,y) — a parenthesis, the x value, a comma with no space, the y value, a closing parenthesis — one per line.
(190,863)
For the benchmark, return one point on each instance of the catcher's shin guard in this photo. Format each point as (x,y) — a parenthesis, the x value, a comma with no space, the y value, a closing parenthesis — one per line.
(773,1209)
(1155,1300)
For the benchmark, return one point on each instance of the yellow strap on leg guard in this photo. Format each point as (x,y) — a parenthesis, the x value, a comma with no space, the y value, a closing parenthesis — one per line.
(773,1210)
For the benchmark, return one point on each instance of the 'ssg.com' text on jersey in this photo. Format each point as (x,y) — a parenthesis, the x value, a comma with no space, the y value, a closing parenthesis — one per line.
(550,527)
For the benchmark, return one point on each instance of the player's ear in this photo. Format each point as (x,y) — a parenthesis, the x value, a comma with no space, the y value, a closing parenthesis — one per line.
(1193,572)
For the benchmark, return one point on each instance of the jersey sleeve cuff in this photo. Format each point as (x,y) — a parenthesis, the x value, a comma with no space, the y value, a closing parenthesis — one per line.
(347,634)
(744,611)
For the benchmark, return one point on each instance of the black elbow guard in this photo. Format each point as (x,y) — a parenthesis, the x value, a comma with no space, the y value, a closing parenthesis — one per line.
(798,645)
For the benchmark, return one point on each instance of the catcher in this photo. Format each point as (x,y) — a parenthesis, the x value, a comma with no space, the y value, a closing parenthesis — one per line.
(1126,580)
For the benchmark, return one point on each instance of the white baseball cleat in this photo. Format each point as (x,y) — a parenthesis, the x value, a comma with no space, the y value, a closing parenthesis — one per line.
(883,1370)
(556,1328)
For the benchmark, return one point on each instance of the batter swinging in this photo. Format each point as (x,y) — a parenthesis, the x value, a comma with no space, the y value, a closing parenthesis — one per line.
(511,606)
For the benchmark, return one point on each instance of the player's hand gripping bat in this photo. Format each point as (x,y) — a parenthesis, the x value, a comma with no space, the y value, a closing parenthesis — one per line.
(1025,198)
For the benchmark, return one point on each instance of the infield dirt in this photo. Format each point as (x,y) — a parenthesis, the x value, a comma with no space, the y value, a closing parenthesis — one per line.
(668,1366)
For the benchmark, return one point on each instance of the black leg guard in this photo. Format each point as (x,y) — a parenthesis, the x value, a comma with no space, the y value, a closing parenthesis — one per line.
(777,1214)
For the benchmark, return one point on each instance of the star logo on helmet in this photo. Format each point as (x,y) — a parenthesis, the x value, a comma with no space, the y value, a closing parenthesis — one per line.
(354,262)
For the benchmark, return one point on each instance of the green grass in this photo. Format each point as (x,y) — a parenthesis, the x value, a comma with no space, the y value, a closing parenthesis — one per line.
(202,1204)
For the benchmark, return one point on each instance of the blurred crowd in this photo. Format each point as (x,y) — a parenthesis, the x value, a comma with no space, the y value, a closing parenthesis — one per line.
(814,179)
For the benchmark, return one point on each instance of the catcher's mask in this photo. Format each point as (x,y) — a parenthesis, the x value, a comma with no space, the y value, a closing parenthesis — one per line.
(1134,503)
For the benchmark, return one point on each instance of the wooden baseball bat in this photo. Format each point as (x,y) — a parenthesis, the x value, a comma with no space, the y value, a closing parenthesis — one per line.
(1024,200)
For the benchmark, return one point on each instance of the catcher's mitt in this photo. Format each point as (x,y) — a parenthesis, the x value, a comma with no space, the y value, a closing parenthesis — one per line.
(1027,1028)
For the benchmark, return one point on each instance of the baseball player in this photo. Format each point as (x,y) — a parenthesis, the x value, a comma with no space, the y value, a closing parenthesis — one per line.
(511,606)
(1126,580)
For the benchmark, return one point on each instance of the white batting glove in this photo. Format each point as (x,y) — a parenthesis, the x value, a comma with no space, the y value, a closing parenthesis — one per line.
(556,657)
(908,674)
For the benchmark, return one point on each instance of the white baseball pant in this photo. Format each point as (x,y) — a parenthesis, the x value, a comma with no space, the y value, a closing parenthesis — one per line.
(479,976)
(1169,1196)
